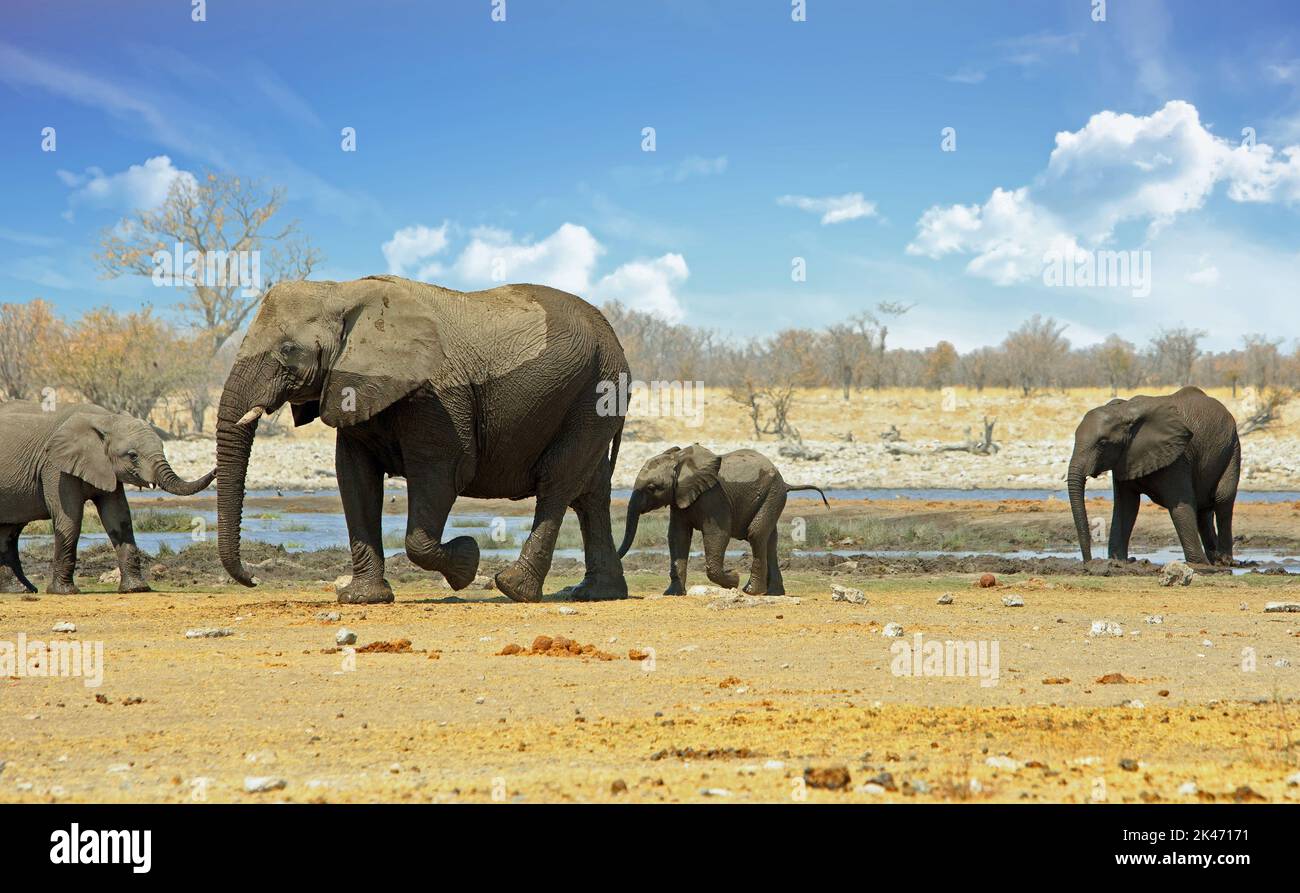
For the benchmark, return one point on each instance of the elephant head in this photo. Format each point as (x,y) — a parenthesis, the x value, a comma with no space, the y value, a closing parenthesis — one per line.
(1130,439)
(103,447)
(677,476)
(340,351)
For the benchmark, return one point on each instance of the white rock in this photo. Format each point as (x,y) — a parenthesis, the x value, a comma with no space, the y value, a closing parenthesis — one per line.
(892,631)
(260,784)
(715,792)
(1013,601)
(846,594)
(1187,789)
(345,636)
(1155,619)
(208,632)
(568,611)
(1282,608)
(1293,780)
(113,576)
(945,599)
(703,590)
(872,787)
(328,616)
(1281,663)
(65,626)
(1176,573)
(1105,628)
(1000,762)
(340,582)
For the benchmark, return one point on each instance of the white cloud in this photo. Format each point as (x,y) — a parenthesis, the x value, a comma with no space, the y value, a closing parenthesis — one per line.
(412,247)
(695,166)
(565,259)
(1117,169)
(833,208)
(1207,274)
(647,285)
(140,186)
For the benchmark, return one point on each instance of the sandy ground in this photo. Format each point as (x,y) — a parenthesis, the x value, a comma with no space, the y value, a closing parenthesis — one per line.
(732,705)
(1035,434)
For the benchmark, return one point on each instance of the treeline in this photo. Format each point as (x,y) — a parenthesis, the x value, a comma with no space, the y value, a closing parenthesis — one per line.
(1037,356)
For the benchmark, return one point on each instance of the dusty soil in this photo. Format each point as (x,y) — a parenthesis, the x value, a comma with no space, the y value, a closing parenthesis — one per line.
(735,705)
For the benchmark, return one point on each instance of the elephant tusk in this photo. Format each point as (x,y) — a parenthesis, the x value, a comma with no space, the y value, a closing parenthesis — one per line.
(251,416)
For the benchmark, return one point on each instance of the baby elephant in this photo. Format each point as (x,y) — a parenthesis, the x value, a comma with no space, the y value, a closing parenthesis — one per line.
(51,463)
(739,495)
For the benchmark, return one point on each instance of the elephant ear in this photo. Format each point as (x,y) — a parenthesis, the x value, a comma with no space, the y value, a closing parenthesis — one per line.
(697,471)
(1161,436)
(77,447)
(390,347)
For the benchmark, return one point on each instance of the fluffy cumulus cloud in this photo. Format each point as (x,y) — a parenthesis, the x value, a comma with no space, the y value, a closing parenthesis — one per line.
(833,208)
(139,187)
(647,285)
(411,251)
(1117,169)
(566,259)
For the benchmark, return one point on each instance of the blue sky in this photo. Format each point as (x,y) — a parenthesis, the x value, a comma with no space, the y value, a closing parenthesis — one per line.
(520,143)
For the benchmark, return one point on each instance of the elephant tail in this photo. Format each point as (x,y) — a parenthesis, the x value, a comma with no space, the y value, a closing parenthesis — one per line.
(790,489)
(613,447)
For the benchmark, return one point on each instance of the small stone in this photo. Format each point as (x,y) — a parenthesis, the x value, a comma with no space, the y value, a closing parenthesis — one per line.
(919,785)
(1128,765)
(1105,628)
(208,632)
(340,582)
(715,792)
(345,636)
(480,700)
(872,788)
(113,576)
(328,616)
(619,786)
(1281,663)
(1282,608)
(65,626)
(1155,619)
(1292,780)
(703,590)
(1176,573)
(831,778)
(846,594)
(945,599)
(1013,601)
(1187,789)
(568,611)
(1003,763)
(1135,704)
(892,631)
(260,784)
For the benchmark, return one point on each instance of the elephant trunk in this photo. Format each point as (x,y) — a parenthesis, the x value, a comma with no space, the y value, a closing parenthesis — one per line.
(634,504)
(1074,483)
(177,485)
(235,432)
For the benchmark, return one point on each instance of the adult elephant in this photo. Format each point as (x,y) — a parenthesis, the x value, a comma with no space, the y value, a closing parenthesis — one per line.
(53,462)
(491,394)
(1181,450)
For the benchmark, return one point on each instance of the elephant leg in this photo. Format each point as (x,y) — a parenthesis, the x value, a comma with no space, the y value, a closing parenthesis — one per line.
(680,534)
(522,580)
(1205,528)
(66,508)
(115,515)
(1183,514)
(757,582)
(775,584)
(1123,516)
(1223,521)
(716,538)
(431,494)
(361,486)
(603,579)
(11,568)
(760,533)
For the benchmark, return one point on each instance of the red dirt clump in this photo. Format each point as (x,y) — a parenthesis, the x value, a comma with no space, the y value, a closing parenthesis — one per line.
(557,646)
(1113,679)
(832,778)
(396,646)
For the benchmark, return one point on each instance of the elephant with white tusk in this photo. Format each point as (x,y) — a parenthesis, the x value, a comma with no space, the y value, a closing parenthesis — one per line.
(493,394)
(52,463)
(738,495)
(1181,450)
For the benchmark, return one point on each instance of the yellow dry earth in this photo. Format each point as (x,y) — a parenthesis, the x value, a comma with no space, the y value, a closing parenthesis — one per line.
(731,704)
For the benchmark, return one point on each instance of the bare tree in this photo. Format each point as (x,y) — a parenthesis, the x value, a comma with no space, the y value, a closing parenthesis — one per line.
(1033,351)
(1174,353)
(1119,363)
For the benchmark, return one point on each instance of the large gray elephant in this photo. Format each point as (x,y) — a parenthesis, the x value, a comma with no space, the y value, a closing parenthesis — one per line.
(1181,450)
(491,394)
(52,462)
(738,495)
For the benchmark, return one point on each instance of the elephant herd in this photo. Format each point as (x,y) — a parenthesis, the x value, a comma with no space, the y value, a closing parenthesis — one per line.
(498,394)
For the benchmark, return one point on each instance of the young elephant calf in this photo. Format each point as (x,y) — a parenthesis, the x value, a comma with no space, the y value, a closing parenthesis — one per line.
(739,495)
(51,463)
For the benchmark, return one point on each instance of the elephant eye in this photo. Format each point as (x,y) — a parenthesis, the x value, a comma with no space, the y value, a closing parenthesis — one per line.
(132,455)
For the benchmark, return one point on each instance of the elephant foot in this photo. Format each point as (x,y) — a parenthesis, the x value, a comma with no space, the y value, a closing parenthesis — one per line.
(58,587)
(366,592)
(519,583)
(11,582)
(137,585)
(598,588)
(464,562)
(675,588)
(725,580)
